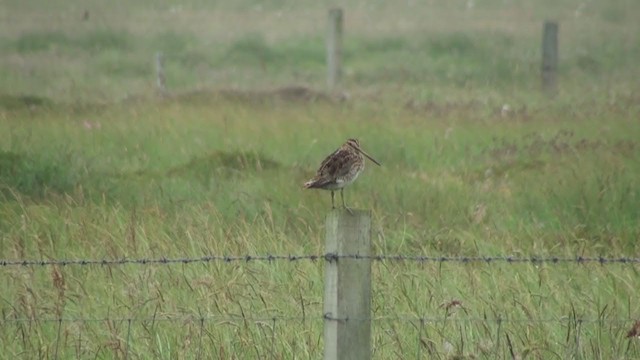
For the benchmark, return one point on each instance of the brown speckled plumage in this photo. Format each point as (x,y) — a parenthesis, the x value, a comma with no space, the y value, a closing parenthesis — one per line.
(340,169)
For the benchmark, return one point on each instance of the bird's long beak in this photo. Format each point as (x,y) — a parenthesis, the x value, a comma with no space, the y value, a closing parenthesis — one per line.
(369,157)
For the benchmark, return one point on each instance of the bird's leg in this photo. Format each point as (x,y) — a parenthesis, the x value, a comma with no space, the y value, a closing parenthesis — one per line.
(333,205)
(343,203)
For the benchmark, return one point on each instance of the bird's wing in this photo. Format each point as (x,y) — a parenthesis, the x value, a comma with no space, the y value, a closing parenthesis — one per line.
(328,162)
(333,166)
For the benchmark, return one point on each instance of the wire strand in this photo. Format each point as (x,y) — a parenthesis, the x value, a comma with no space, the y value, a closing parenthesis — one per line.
(229,318)
(330,257)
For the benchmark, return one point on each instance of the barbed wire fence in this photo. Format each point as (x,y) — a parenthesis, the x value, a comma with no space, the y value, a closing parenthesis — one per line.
(329,257)
(418,322)
(347,262)
(324,257)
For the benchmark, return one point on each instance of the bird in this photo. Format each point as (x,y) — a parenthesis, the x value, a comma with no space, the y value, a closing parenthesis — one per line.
(340,169)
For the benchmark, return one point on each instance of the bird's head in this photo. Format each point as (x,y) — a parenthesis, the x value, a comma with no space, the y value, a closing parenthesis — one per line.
(355,144)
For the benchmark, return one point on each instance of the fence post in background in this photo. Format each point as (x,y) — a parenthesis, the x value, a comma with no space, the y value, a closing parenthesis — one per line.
(334,48)
(160,78)
(550,58)
(347,287)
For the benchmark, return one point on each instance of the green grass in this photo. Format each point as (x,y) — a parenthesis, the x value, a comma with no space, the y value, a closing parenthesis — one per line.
(187,178)
(476,162)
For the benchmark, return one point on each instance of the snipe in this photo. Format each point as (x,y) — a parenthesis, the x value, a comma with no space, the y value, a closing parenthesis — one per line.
(340,169)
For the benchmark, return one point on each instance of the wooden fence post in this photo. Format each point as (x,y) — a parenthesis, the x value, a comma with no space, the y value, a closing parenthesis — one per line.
(334,48)
(160,78)
(550,58)
(347,288)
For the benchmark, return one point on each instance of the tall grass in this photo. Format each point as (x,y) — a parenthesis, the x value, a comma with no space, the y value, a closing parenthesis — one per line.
(187,178)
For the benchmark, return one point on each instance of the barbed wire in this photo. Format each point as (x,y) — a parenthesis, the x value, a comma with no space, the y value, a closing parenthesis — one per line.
(330,257)
(229,318)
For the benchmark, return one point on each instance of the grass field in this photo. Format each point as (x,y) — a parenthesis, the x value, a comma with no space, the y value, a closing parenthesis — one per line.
(94,165)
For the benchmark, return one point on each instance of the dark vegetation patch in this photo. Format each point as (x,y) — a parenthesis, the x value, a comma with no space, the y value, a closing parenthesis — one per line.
(99,40)
(293,93)
(102,40)
(456,44)
(16,102)
(533,152)
(125,67)
(253,50)
(172,42)
(457,58)
(562,143)
(224,164)
(32,176)
(40,41)
(37,176)
(444,108)
(377,45)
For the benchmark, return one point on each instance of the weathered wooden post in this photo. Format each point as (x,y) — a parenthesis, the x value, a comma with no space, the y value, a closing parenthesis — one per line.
(347,291)
(550,58)
(334,48)
(160,78)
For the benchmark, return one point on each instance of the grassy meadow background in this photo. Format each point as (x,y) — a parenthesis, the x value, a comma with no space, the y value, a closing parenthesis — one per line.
(94,164)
